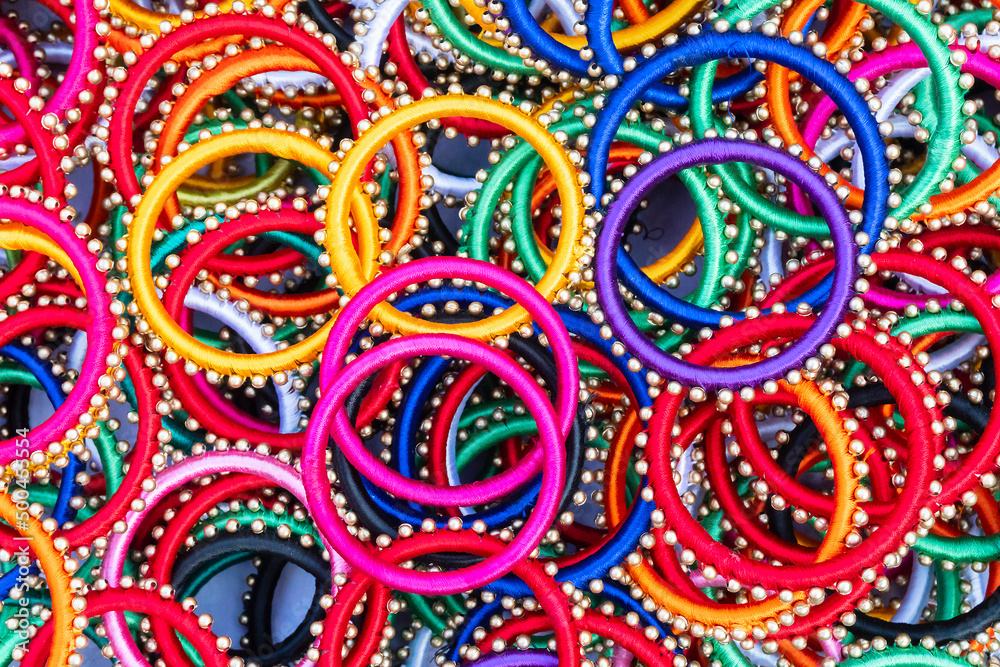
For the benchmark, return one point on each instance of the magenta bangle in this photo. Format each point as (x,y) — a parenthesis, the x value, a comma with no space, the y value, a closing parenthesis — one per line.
(99,337)
(361,305)
(15,42)
(330,415)
(46,162)
(880,63)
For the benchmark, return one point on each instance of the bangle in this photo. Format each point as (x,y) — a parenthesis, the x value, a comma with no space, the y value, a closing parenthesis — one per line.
(354,272)
(15,511)
(451,344)
(708,46)
(712,151)
(39,230)
(329,415)
(177,475)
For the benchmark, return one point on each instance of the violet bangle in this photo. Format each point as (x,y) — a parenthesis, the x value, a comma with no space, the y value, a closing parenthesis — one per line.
(715,151)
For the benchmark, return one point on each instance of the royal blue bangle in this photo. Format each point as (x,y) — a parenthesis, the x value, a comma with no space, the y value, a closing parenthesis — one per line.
(404,436)
(62,512)
(579,577)
(598,21)
(42,371)
(710,46)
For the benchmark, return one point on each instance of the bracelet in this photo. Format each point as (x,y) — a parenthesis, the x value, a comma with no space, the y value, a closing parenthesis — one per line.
(405,296)
(686,372)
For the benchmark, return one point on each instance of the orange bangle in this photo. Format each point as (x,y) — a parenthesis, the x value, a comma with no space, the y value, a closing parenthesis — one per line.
(38,536)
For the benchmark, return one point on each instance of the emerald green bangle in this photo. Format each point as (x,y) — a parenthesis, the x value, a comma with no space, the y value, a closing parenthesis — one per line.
(942,147)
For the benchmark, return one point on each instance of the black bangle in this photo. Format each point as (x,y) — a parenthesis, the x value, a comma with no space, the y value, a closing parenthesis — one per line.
(259,611)
(315,10)
(18,409)
(261,650)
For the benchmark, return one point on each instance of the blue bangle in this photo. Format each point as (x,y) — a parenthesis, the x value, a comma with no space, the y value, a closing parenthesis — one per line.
(595,566)
(711,46)
(408,420)
(62,512)
(42,371)
(598,21)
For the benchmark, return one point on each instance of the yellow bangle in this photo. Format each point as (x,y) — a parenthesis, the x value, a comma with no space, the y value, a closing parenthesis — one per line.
(634,35)
(288,145)
(675,260)
(16,236)
(354,273)
(148,20)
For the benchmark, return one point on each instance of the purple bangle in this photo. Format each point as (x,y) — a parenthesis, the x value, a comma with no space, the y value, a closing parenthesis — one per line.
(361,305)
(330,418)
(172,478)
(518,659)
(716,151)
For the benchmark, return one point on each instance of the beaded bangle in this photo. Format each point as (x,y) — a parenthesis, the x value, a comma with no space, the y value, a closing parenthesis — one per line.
(712,151)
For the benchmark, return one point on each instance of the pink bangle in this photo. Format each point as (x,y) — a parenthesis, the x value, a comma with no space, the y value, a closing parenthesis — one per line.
(211,463)
(64,424)
(454,268)
(81,65)
(329,414)
(46,162)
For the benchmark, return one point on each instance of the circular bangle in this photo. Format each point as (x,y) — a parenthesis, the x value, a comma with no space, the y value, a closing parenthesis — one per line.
(942,150)
(177,475)
(41,230)
(14,510)
(713,151)
(353,273)
(709,46)
(140,238)
(977,64)
(263,543)
(171,45)
(369,303)
(329,415)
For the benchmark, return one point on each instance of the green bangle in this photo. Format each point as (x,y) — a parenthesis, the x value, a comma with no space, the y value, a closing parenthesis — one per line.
(941,151)
(442,16)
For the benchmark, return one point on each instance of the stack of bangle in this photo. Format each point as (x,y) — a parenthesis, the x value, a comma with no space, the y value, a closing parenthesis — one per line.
(405,301)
